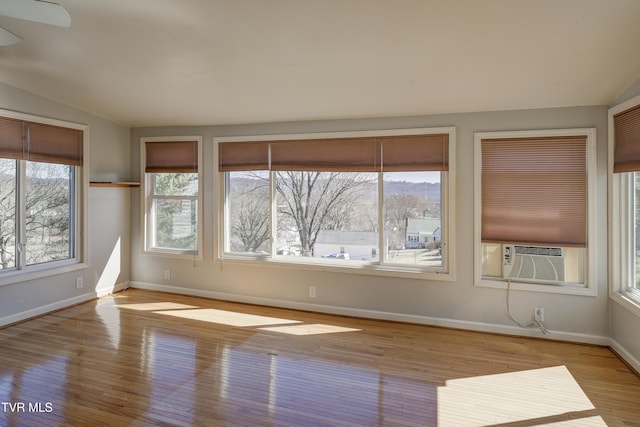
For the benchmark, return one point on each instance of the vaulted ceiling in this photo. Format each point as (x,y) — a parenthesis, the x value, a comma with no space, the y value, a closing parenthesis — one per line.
(197,62)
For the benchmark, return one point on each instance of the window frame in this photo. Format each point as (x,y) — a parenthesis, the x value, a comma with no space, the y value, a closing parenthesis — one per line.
(79,211)
(621,225)
(444,273)
(589,287)
(147,197)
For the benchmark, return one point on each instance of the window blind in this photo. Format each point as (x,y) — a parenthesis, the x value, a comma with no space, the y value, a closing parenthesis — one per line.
(243,156)
(415,153)
(358,154)
(627,140)
(11,145)
(54,144)
(171,156)
(21,140)
(534,191)
(326,155)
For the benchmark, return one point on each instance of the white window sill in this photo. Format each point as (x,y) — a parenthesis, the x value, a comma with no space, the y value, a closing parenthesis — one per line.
(566,289)
(39,272)
(173,254)
(349,267)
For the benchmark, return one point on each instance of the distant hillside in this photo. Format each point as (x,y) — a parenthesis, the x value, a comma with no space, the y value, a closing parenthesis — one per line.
(432,190)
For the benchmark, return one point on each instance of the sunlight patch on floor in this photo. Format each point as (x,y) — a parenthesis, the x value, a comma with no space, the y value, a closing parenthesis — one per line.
(230,318)
(581,422)
(536,394)
(233,318)
(314,329)
(154,306)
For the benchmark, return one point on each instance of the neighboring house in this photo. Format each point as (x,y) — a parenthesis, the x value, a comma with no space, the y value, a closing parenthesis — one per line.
(355,245)
(421,231)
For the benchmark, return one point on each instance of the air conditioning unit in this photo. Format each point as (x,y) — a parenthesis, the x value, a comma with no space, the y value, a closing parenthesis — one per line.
(538,264)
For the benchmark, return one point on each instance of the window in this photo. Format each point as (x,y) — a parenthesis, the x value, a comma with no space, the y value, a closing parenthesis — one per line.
(534,210)
(41,186)
(635,246)
(624,169)
(172,195)
(373,200)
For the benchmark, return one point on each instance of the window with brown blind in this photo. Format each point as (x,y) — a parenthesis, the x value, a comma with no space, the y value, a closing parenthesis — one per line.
(41,217)
(366,198)
(534,191)
(172,194)
(39,142)
(171,156)
(624,209)
(627,140)
(533,205)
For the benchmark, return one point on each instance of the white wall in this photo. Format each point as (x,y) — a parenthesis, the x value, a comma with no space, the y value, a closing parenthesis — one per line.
(109,217)
(457,303)
(115,255)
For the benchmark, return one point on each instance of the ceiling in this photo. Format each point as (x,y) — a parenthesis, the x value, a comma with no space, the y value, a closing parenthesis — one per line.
(207,62)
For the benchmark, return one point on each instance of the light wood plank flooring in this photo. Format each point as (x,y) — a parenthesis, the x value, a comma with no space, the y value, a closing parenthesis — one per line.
(145,359)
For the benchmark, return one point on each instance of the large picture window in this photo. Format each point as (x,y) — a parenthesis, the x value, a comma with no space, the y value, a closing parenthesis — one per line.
(172,195)
(40,193)
(534,209)
(624,203)
(375,200)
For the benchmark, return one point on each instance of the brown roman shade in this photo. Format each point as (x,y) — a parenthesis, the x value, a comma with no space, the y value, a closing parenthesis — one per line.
(243,156)
(415,153)
(326,155)
(54,144)
(358,154)
(11,146)
(627,140)
(171,156)
(534,191)
(39,142)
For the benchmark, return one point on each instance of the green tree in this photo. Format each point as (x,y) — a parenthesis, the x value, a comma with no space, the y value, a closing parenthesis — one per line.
(176,210)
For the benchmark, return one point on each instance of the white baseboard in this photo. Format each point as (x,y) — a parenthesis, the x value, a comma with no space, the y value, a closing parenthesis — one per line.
(382,315)
(58,305)
(628,357)
(111,289)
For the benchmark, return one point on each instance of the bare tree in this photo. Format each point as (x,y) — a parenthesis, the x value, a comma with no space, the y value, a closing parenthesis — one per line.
(252,222)
(313,201)
(398,208)
(47,209)
(7,213)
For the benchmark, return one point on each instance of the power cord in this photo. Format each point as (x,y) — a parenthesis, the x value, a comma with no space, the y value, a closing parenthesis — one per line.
(536,323)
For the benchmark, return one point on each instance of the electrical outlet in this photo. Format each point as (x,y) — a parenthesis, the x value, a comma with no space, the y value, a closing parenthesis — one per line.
(312,291)
(79,283)
(167,274)
(538,314)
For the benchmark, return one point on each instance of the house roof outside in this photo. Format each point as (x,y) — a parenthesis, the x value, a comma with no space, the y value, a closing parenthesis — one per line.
(360,238)
(422,225)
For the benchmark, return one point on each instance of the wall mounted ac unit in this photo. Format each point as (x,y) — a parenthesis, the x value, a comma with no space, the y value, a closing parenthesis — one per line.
(539,264)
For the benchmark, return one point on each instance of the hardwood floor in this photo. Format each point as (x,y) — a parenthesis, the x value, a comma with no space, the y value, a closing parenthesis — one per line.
(146,359)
